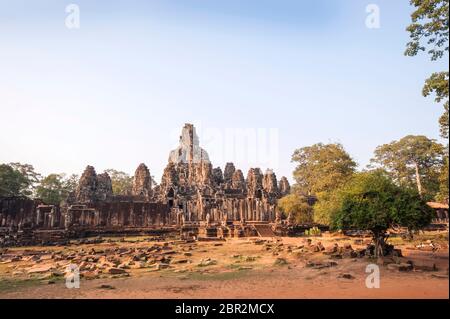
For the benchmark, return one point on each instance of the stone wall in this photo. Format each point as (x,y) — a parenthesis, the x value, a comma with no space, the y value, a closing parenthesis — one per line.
(115,214)
(17,213)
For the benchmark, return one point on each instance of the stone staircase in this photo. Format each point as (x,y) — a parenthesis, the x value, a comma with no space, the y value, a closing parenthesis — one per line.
(264,230)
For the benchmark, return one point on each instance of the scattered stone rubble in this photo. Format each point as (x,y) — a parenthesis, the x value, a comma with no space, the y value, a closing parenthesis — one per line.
(429,245)
(112,262)
(307,251)
(97,258)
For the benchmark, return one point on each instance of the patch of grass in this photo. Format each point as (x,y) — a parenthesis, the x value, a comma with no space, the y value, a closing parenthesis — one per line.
(439,238)
(207,263)
(226,275)
(396,241)
(249,259)
(16,284)
(237,266)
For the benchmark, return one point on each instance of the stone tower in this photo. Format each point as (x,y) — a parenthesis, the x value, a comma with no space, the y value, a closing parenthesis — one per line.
(87,186)
(189,150)
(93,187)
(142,183)
(284,186)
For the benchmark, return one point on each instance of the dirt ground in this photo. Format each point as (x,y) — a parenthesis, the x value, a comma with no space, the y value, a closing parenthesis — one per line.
(235,268)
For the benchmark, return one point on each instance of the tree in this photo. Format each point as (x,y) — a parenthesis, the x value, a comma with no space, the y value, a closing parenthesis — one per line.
(413,160)
(443,182)
(298,206)
(122,183)
(55,188)
(326,206)
(51,189)
(429,31)
(12,182)
(438,84)
(322,167)
(372,201)
(71,183)
(430,23)
(31,177)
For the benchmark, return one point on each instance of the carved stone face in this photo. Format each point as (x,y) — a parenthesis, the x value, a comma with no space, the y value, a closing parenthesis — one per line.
(189,149)
(238,181)
(142,185)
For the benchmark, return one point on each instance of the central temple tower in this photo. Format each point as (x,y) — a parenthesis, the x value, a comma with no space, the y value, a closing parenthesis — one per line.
(189,151)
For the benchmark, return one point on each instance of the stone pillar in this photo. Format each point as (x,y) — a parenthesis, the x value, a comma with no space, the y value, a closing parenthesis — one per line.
(38,217)
(68,219)
(52,217)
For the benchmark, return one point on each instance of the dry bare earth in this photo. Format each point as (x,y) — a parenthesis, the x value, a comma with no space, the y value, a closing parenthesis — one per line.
(237,268)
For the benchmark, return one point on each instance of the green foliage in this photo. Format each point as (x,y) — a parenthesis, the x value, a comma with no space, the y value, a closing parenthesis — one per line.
(13,182)
(18,179)
(31,177)
(71,183)
(437,83)
(298,206)
(371,201)
(122,183)
(410,155)
(430,24)
(443,121)
(55,188)
(50,189)
(326,206)
(443,182)
(430,28)
(410,211)
(314,231)
(322,167)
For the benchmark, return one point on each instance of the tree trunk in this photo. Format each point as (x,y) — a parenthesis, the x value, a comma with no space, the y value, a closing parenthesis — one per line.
(419,183)
(379,245)
(410,234)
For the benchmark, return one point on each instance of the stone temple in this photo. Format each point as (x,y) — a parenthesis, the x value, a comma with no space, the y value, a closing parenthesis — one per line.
(193,199)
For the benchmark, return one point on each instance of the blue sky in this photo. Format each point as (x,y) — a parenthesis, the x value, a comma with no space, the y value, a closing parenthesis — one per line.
(117,91)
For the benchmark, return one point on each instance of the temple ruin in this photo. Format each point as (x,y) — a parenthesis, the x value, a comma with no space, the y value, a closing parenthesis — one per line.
(193,199)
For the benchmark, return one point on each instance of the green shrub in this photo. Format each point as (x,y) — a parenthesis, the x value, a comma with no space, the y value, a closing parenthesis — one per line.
(315,231)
